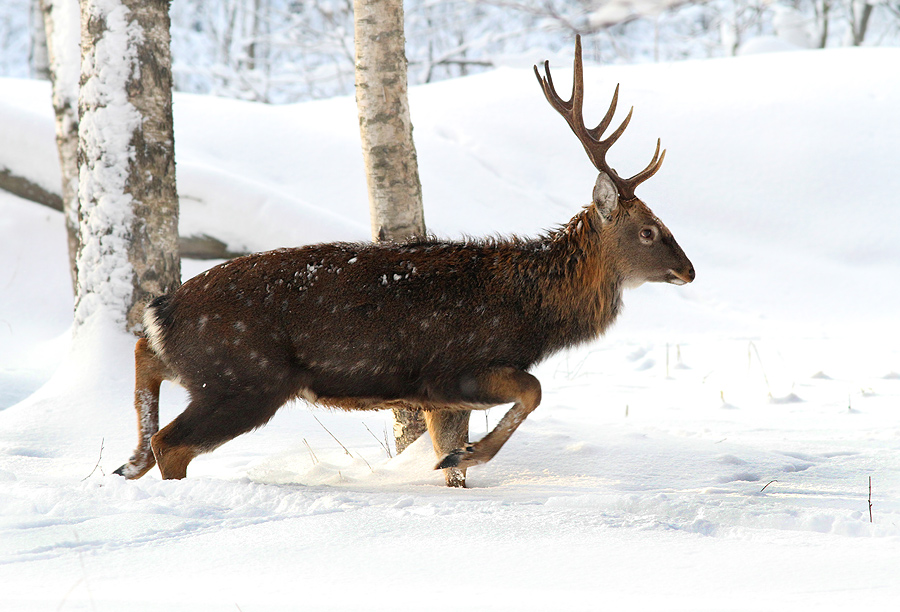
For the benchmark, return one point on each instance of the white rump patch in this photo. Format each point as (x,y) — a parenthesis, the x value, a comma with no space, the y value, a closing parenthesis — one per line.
(153,331)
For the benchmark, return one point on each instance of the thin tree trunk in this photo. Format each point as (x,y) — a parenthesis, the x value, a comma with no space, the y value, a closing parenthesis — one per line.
(861,23)
(823,18)
(39,59)
(63,33)
(392,173)
(128,205)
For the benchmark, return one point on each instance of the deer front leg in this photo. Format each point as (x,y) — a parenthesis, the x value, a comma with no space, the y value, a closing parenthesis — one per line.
(499,386)
(449,429)
(149,372)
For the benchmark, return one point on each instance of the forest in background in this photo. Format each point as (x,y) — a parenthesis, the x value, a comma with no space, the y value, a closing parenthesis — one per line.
(282,51)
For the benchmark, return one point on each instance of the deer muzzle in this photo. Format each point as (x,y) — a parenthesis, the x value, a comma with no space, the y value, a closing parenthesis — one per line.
(681,277)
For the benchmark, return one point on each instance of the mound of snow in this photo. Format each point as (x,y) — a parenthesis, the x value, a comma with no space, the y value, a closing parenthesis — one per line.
(693,455)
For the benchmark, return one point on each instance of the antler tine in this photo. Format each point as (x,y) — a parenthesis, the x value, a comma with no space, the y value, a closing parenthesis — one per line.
(592,140)
(597,132)
(572,112)
(629,185)
(563,107)
(611,140)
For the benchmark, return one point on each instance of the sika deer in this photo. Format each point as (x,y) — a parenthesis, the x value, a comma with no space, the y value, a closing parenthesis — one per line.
(444,326)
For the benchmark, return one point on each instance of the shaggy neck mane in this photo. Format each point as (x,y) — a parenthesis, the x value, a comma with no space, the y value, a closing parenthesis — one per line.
(583,286)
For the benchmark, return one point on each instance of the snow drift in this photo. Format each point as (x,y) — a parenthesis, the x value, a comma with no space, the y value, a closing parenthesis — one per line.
(712,452)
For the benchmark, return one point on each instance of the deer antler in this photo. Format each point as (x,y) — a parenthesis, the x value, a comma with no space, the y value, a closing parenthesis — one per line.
(596,149)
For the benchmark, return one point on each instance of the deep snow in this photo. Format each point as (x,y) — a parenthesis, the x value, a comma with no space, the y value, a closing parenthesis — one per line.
(711,453)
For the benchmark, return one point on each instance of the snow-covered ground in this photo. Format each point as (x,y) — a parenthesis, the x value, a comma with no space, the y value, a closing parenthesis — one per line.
(713,452)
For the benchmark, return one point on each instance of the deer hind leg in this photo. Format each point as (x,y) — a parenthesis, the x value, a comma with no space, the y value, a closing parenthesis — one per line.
(149,372)
(210,420)
(499,386)
(449,430)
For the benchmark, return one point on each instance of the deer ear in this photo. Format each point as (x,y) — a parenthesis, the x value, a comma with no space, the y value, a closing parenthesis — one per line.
(606,197)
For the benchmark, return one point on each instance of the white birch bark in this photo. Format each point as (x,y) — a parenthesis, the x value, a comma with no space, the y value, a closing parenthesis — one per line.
(62,25)
(392,172)
(128,209)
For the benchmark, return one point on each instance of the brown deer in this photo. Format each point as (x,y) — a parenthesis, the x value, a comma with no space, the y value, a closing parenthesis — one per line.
(443,326)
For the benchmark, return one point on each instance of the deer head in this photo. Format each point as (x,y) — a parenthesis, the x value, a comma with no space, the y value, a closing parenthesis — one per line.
(642,246)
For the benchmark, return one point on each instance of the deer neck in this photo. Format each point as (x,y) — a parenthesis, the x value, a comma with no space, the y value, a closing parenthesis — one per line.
(583,287)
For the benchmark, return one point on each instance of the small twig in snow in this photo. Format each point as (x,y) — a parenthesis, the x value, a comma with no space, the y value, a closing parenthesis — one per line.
(346,450)
(97,465)
(871,520)
(667,360)
(369,465)
(761,366)
(767,484)
(387,443)
(386,449)
(333,436)
(311,453)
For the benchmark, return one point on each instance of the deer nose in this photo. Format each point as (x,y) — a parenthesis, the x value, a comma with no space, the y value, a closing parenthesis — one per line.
(681,277)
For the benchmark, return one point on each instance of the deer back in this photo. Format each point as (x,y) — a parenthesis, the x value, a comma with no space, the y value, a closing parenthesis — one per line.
(372,319)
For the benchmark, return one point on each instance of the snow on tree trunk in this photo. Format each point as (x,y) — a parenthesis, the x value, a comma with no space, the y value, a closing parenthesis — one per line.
(63,28)
(128,209)
(392,171)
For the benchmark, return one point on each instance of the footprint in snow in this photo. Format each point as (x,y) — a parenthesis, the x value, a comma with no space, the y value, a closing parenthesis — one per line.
(790,398)
(637,354)
(739,477)
(645,365)
(731,460)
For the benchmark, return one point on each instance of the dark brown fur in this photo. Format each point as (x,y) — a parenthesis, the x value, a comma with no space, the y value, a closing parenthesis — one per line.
(439,325)
(443,326)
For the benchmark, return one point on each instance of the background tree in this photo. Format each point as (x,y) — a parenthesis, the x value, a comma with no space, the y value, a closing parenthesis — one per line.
(62,25)
(392,171)
(128,208)
(37,55)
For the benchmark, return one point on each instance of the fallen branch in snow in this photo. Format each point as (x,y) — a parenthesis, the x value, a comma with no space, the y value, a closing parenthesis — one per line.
(22,187)
(205,246)
(200,246)
(767,484)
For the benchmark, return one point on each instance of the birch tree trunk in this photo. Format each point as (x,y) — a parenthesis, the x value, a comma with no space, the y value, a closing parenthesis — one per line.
(38,57)
(62,25)
(128,207)
(392,172)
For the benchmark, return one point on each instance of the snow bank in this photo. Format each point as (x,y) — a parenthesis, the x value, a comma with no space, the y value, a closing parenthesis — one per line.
(711,453)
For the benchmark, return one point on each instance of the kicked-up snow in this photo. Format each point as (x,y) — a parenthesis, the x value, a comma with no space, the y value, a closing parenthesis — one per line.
(712,452)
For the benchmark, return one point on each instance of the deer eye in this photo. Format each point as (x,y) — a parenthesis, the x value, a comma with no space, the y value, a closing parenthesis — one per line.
(647,234)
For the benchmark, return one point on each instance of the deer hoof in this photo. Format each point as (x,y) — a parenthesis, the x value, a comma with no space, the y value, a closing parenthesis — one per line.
(460,458)
(135,468)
